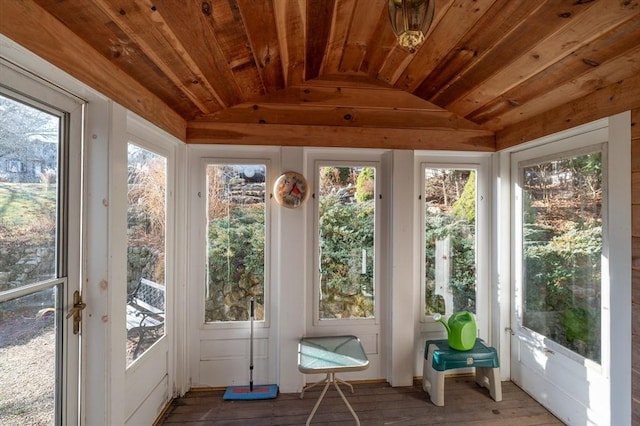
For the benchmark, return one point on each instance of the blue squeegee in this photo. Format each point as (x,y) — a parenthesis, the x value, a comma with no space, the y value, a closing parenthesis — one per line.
(251,392)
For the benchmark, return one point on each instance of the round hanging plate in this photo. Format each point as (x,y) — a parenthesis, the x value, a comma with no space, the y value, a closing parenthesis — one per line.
(291,190)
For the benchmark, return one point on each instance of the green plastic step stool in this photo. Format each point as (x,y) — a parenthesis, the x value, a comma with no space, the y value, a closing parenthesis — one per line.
(439,357)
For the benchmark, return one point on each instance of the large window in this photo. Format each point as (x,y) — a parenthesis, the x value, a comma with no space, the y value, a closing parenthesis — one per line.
(236,241)
(346,237)
(32,261)
(561,210)
(450,270)
(146,231)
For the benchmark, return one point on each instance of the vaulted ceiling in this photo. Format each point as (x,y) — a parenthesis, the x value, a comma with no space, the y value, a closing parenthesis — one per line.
(492,73)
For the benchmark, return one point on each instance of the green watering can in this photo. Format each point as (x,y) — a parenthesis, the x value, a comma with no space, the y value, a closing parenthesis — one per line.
(461,330)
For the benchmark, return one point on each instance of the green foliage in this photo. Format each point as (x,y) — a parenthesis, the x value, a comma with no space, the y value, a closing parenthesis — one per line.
(563,285)
(334,177)
(465,206)
(346,229)
(27,233)
(463,265)
(235,264)
(579,324)
(365,185)
(22,204)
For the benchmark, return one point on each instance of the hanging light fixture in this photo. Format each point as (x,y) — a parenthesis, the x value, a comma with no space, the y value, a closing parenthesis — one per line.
(410,20)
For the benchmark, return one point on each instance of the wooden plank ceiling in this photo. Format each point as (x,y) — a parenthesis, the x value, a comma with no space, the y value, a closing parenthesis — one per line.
(491,74)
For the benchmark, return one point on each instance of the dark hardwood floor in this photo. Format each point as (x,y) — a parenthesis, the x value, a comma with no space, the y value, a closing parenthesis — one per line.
(375,403)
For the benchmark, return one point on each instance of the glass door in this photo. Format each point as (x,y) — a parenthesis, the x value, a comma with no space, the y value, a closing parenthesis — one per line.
(450,260)
(561,278)
(347,298)
(38,264)
(561,251)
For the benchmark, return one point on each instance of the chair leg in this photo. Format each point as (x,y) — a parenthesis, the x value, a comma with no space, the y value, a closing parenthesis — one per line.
(490,378)
(432,380)
(137,348)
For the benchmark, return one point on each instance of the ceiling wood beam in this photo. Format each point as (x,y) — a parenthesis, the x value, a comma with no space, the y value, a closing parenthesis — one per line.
(331,136)
(348,96)
(338,35)
(226,24)
(367,13)
(318,21)
(613,99)
(382,42)
(142,23)
(259,18)
(597,78)
(597,64)
(290,18)
(475,56)
(192,20)
(347,116)
(35,29)
(600,17)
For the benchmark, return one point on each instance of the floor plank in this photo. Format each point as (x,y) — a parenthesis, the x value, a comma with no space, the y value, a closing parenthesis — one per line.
(375,404)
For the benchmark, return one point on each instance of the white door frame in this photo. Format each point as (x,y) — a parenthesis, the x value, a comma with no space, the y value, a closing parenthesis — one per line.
(20,81)
(603,390)
(218,352)
(486,304)
(370,331)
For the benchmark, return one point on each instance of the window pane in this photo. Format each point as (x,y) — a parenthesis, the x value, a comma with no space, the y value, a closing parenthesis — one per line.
(29,141)
(562,245)
(346,242)
(146,250)
(28,359)
(235,241)
(450,241)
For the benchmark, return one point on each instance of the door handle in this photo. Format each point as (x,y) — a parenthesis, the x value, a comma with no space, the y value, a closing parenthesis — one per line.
(76,311)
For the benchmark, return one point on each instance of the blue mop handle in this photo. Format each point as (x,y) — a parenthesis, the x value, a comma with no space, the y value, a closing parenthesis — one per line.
(251,347)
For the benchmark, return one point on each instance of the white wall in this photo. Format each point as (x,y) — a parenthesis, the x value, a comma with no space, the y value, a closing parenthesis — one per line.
(218,353)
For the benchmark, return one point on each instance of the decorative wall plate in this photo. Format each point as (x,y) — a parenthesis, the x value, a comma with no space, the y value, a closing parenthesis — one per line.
(291,190)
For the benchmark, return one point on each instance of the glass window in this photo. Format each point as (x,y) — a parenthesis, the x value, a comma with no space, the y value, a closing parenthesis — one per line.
(31,268)
(450,240)
(346,241)
(236,213)
(561,250)
(146,214)
(29,144)
(28,359)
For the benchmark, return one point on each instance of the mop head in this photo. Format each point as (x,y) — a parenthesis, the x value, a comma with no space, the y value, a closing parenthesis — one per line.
(245,392)
(251,392)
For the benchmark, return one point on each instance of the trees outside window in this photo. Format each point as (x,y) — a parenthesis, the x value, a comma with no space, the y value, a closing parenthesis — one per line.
(450,240)
(32,273)
(562,249)
(346,238)
(236,214)
(146,248)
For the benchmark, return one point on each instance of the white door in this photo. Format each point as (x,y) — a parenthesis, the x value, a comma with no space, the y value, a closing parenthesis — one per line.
(560,345)
(231,246)
(39,251)
(348,296)
(150,271)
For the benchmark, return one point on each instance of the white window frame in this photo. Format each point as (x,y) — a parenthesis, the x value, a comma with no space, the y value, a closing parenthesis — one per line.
(269,179)
(481,164)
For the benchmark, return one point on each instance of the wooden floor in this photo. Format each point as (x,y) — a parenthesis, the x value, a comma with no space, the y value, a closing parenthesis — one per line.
(375,404)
